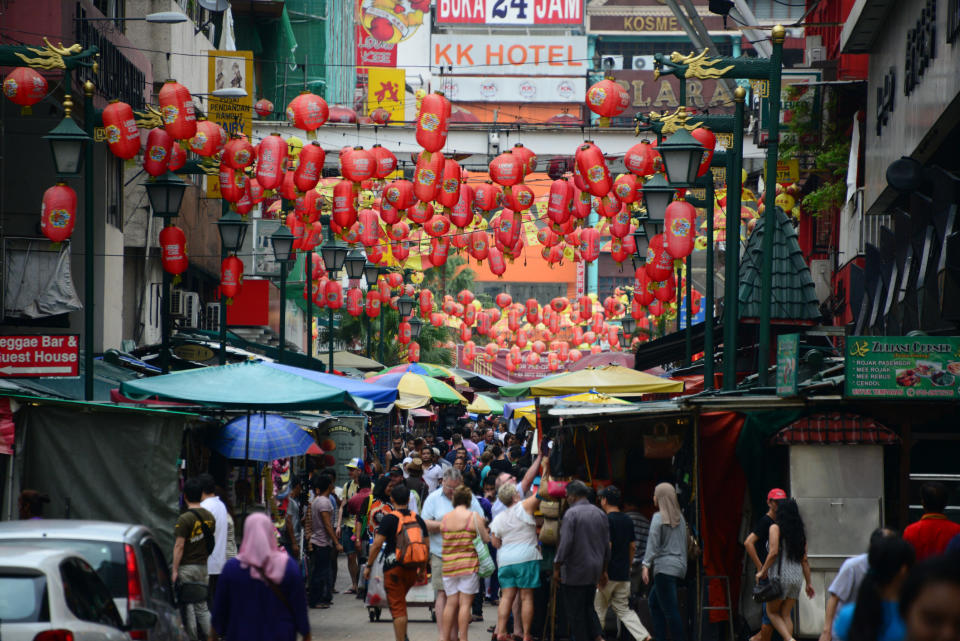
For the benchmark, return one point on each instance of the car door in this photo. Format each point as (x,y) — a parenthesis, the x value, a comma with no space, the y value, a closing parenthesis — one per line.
(89,600)
(159,591)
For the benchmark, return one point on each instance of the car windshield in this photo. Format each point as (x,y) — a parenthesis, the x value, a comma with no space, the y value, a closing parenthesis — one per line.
(23,598)
(106,557)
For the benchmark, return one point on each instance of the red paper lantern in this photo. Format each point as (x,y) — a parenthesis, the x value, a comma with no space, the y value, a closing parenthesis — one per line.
(357,165)
(177,159)
(308,171)
(439,251)
(527,158)
(256,191)
(461,214)
(533,311)
(519,198)
(380,116)
(709,141)
(488,197)
(479,244)
(607,99)
(465,333)
(626,188)
(420,212)
(678,228)
(449,193)
(575,355)
(372,307)
(25,86)
(308,111)
(620,224)
(532,358)
(607,205)
(231,276)
(369,227)
(659,263)
(157,155)
(354,301)
(593,169)
(495,262)
(427,176)
(333,294)
(263,107)
(398,231)
(666,290)
(270,155)
(640,158)
(508,227)
(413,352)
(432,122)
(208,139)
(589,244)
(399,194)
(238,153)
(503,300)
(385,163)
(173,250)
(123,137)
(506,169)
(437,226)
(559,201)
(229,189)
(58,213)
(176,110)
(400,250)
(344,208)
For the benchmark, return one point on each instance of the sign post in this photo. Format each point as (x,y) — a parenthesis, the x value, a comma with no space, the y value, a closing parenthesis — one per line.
(40,355)
(788,346)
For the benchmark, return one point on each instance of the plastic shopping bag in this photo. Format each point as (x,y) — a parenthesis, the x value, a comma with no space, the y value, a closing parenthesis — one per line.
(376,592)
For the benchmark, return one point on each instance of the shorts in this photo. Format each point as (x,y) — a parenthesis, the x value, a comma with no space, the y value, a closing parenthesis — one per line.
(346,540)
(524,575)
(764,619)
(436,572)
(462,583)
(397,582)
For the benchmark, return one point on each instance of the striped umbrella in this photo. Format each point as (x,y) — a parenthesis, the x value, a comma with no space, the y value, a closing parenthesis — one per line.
(425,369)
(483,404)
(416,390)
(262,437)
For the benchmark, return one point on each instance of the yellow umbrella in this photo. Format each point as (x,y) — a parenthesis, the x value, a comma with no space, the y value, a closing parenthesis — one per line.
(483,404)
(529,411)
(610,379)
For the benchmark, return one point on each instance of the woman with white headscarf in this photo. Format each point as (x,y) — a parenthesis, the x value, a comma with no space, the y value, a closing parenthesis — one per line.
(667,556)
(260,595)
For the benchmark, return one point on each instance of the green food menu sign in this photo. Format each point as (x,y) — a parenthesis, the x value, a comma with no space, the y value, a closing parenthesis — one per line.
(919,367)
(788,345)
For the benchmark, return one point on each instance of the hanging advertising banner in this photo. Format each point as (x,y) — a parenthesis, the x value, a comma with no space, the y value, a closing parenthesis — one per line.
(519,55)
(382,25)
(505,12)
(385,89)
(482,89)
(226,70)
(916,367)
(498,367)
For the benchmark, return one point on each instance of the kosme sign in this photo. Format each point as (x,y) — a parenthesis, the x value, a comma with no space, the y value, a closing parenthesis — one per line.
(502,12)
(41,355)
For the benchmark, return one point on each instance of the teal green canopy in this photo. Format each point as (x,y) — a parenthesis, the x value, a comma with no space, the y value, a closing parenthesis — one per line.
(248,386)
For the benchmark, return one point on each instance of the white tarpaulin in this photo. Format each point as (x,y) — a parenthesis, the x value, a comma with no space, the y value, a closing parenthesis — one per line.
(38,280)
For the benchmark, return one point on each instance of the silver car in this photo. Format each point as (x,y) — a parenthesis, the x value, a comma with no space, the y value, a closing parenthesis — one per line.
(125,556)
(54,595)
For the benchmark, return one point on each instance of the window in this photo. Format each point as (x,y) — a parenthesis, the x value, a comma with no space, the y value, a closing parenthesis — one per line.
(113,192)
(112,9)
(107,559)
(23,598)
(777,10)
(158,577)
(86,595)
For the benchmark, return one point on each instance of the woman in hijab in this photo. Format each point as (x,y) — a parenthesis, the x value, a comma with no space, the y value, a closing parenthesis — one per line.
(667,556)
(260,595)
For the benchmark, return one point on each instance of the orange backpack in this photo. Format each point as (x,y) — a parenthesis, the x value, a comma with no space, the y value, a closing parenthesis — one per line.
(412,547)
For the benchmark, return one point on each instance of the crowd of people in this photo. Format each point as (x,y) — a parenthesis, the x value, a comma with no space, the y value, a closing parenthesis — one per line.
(465,515)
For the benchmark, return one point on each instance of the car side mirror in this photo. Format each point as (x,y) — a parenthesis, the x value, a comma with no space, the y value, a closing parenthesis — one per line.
(141,619)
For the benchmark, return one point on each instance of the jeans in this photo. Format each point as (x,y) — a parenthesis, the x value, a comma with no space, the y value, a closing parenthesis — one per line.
(616,595)
(196,612)
(665,608)
(581,616)
(321,588)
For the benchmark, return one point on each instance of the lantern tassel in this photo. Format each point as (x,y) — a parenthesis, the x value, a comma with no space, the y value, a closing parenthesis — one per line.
(26,110)
(176,280)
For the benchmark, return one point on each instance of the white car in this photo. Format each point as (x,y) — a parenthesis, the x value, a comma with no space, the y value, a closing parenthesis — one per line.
(54,595)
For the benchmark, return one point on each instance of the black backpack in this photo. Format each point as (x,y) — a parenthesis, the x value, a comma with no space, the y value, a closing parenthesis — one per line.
(208,539)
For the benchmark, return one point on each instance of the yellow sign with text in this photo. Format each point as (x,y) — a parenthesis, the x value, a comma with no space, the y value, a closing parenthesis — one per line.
(788,171)
(229,70)
(386,88)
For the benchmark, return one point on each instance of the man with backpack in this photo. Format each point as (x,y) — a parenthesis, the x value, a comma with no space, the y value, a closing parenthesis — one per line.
(403,537)
(193,544)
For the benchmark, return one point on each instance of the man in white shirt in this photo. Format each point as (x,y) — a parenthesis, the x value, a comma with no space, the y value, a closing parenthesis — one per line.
(212,503)
(432,471)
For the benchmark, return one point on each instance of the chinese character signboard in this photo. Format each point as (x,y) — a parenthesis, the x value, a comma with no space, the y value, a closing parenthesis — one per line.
(226,70)
(788,346)
(503,12)
(912,367)
(385,88)
(39,355)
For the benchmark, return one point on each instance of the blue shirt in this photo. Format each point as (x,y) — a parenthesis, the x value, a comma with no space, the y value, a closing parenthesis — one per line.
(247,609)
(435,508)
(892,628)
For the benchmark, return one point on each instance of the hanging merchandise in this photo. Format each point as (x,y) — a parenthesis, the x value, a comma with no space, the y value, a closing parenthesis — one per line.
(427,176)
(177,159)
(25,87)
(640,159)
(58,213)
(593,169)
(432,122)
(173,250)
(308,111)
(123,137)
(157,154)
(488,196)
(263,107)
(449,193)
(679,223)
(176,110)
(309,168)
(607,99)
(384,160)
(271,153)
(231,277)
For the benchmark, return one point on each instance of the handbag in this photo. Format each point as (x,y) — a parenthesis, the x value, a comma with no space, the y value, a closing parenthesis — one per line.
(769,589)
(486,567)
(660,444)
(550,532)
(557,489)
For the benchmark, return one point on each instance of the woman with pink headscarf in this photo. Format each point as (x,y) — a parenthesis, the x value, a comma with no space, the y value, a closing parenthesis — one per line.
(260,594)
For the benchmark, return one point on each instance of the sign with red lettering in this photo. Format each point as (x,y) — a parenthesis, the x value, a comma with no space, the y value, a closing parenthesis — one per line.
(40,355)
(501,12)
(510,55)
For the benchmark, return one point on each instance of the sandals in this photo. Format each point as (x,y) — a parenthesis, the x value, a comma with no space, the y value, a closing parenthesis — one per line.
(351,591)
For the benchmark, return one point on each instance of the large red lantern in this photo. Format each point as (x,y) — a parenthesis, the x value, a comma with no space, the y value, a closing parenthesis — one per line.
(123,137)
(527,158)
(310,167)
(678,228)
(659,263)
(231,276)
(373,303)
(208,139)
(432,122)
(369,227)
(709,141)
(263,107)
(428,175)
(333,294)
(178,158)
(157,155)
(176,110)
(399,194)
(626,188)
(666,290)
(593,169)
(488,196)
(506,169)
(308,111)
(559,201)
(449,192)
(640,158)
(238,153)
(59,212)
(384,161)
(25,87)
(519,198)
(270,155)
(344,207)
(607,99)
(439,251)
(173,250)
(357,165)
(589,244)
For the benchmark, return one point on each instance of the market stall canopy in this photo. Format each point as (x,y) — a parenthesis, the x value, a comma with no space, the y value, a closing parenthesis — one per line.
(262,437)
(416,390)
(624,359)
(483,404)
(426,369)
(377,396)
(611,379)
(349,360)
(246,386)
(527,408)
(480,381)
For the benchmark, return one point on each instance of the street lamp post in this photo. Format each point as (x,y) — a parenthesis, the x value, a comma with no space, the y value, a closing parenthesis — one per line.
(731,303)
(233,230)
(282,242)
(370,273)
(334,254)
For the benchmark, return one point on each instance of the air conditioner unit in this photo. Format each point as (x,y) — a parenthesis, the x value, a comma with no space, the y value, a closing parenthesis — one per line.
(611,63)
(212,317)
(814,51)
(178,306)
(151,316)
(191,312)
(642,63)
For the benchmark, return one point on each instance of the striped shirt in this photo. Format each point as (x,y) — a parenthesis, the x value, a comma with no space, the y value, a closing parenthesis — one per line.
(459,556)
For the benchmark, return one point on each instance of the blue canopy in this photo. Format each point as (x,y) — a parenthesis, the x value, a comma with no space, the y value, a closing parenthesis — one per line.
(381,397)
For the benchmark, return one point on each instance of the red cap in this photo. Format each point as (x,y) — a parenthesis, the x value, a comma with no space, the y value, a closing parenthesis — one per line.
(776,494)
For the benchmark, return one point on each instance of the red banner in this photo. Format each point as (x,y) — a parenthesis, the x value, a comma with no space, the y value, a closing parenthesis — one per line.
(498,367)
(39,355)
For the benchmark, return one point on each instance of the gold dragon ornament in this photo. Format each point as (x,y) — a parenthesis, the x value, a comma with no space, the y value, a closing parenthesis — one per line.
(50,57)
(698,65)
